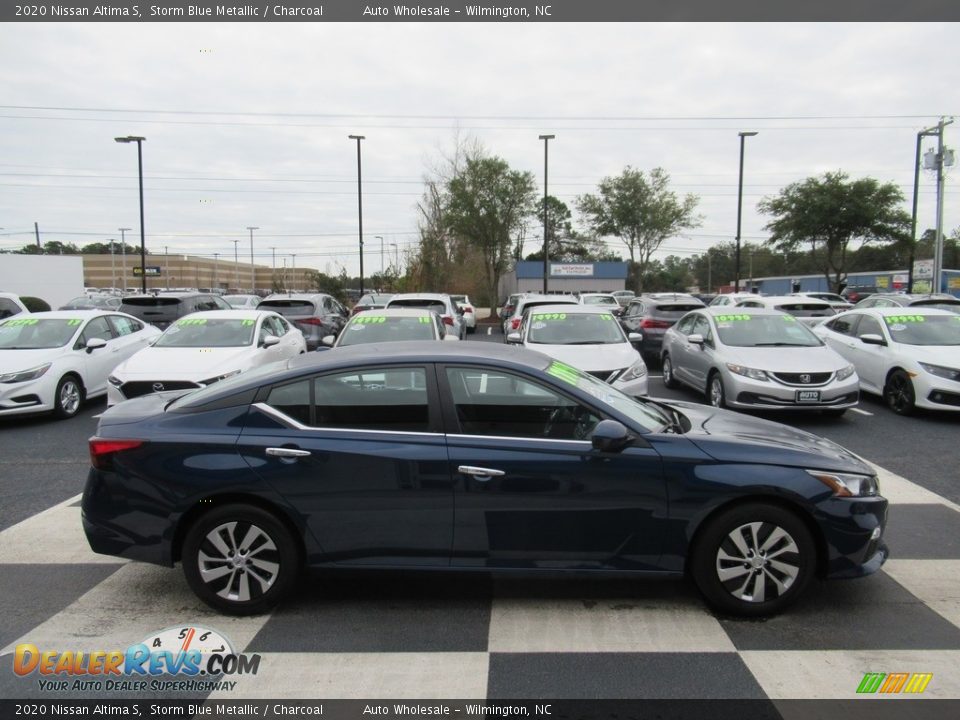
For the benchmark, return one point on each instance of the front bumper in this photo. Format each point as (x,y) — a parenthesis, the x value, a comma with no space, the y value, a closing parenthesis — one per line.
(937,393)
(744,392)
(853,529)
(24,398)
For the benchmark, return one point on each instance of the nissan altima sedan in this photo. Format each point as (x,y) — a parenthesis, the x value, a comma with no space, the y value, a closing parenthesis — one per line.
(204,348)
(470,457)
(589,338)
(53,361)
(910,356)
(757,358)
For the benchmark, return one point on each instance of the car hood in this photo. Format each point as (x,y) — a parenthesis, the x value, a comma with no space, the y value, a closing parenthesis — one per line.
(786,359)
(160,363)
(734,437)
(19,360)
(946,355)
(591,358)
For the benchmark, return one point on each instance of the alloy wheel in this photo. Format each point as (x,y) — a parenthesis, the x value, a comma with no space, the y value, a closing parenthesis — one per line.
(757,562)
(238,561)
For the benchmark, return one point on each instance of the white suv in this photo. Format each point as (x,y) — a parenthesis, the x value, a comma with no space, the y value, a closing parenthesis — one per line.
(440,303)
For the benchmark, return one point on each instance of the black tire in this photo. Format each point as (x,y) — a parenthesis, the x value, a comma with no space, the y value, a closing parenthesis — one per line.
(245,574)
(667,367)
(835,412)
(716,393)
(68,398)
(779,582)
(898,393)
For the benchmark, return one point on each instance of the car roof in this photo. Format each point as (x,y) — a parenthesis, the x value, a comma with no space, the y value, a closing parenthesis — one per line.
(237,314)
(714,311)
(74,314)
(396,312)
(883,312)
(423,295)
(574,309)
(775,299)
(295,296)
(563,299)
(912,297)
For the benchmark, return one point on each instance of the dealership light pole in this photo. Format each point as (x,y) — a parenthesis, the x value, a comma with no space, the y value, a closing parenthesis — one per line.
(358,138)
(113,270)
(123,254)
(253,271)
(143,243)
(236,264)
(380,238)
(216,267)
(546,144)
(736,282)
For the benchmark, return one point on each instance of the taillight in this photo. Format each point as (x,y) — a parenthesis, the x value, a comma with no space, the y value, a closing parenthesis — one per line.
(102,451)
(467,309)
(515,324)
(310,321)
(355,310)
(648,323)
(447,320)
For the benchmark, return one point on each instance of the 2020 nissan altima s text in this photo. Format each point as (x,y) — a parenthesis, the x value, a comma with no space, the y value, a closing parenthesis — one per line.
(461,457)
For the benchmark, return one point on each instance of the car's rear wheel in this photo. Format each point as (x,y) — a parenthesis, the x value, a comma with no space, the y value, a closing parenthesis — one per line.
(715,391)
(240,559)
(668,380)
(68,397)
(899,393)
(753,559)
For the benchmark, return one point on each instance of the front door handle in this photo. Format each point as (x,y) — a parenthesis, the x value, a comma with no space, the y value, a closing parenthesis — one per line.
(481,474)
(284,452)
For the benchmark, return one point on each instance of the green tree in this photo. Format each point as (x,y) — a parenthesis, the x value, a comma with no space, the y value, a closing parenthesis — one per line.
(830,213)
(642,211)
(487,206)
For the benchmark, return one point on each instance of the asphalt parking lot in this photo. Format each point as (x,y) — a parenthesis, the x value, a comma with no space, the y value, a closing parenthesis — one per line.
(429,636)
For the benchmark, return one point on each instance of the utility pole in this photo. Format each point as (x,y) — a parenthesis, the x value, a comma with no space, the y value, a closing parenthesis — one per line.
(216,267)
(113,270)
(546,248)
(253,272)
(166,267)
(938,247)
(709,273)
(358,138)
(294,273)
(236,265)
(743,135)
(123,254)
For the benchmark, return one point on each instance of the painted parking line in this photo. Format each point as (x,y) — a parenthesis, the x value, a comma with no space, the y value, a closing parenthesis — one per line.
(861,412)
(655,376)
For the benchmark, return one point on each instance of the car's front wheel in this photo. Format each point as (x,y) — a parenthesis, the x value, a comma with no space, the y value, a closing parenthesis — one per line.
(715,391)
(240,559)
(68,397)
(899,393)
(753,559)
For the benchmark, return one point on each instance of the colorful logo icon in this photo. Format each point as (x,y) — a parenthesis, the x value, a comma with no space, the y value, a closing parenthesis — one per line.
(892,683)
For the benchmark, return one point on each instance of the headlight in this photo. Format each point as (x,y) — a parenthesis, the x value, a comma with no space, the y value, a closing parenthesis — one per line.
(115,381)
(845,372)
(747,372)
(941,371)
(634,372)
(848,484)
(24,375)
(218,378)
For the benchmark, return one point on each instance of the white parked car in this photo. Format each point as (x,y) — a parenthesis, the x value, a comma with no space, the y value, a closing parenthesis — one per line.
(53,361)
(757,358)
(469,312)
(808,310)
(731,299)
(202,348)
(391,325)
(525,302)
(11,304)
(588,338)
(910,356)
(242,302)
(440,303)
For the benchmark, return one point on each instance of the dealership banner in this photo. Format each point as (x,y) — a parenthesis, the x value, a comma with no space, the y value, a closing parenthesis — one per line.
(571,269)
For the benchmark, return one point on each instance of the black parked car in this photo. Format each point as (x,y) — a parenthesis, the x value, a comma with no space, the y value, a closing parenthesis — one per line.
(652,316)
(164,308)
(470,457)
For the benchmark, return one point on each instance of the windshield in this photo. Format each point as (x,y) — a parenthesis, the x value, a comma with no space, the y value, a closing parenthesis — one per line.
(743,330)
(31,333)
(807,309)
(648,416)
(923,329)
(88,303)
(574,329)
(953,307)
(438,306)
(374,299)
(599,300)
(382,328)
(238,300)
(208,332)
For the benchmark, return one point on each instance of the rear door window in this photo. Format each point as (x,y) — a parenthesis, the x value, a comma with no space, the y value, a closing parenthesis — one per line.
(378,399)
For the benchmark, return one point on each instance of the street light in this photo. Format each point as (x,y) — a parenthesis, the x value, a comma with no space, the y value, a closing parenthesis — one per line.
(358,138)
(380,238)
(123,255)
(236,264)
(546,142)
(396,254)
(143,243)
(736,282)
(939,157)
(253,272)
(113,266)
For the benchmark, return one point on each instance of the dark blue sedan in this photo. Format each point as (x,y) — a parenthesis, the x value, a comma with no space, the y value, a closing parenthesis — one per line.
(475,457)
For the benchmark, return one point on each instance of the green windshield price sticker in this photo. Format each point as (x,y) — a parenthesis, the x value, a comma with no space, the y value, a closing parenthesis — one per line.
(564,372)
(21,321)
(789,318)
(550,316)
(731,318)
(898,319)
(370,320)
(425,320)
(247,322)
(74,322)
(192,321)
(606,317)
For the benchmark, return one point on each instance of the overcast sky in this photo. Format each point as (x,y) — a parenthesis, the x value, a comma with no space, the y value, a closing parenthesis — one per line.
(247,123)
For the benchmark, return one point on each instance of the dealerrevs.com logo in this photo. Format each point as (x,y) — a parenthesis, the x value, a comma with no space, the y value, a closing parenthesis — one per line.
(179,659)
(894,683)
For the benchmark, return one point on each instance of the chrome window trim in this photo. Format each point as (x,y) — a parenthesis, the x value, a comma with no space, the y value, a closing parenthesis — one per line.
(451,436)
(297,425)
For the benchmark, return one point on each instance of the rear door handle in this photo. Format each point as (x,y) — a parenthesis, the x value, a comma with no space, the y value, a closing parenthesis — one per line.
(284,452)
(482,474)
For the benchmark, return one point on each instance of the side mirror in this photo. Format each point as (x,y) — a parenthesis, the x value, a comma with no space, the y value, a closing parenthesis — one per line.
(328,340)
(270,341)
(610,436)
(872,339)
(95,344)
(695,339)
(514,338)
(634,337)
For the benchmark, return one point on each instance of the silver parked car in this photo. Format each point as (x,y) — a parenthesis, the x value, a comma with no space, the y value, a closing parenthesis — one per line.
(810,311)
(757,358)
